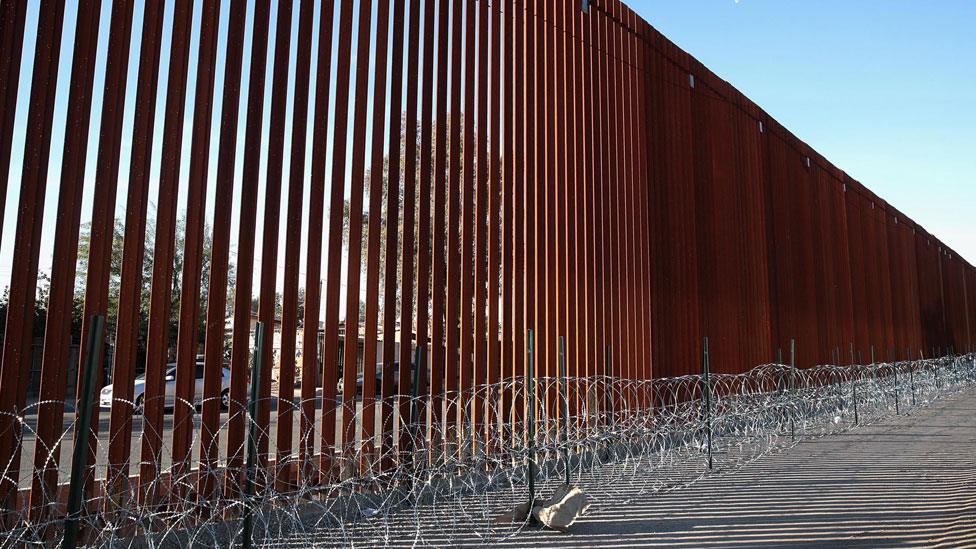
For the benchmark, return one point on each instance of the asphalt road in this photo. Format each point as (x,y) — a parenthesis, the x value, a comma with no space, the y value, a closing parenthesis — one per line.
(66,444)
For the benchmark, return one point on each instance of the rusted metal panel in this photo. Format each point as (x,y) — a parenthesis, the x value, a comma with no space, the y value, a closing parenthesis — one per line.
(293,236)
(157,339)
(330,359)
(12,19)
(535,175)
(368,451)
(495,193)
(718,243)
(782,270)
(133,255)
(439,363)
(520,196)
(106,180)
(57,330)
(210,474)
(515,205)
(509,97)
(467,183)
(954,283)
(267,284)
(756,332)
(424,199)
(971,305)
(930,295)
(390,294)
(196,200)
(455,163)
(311,344)
(408,238)
(251,162)
(575,320)
(588,110)
(672,221)
(26,248)
(353,278)
(479,358)
(641,221)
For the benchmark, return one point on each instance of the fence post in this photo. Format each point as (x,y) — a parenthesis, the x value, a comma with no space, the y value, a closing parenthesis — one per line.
(82,434)
(911,373)
(894,363)
(792,387)
(607,397)
(854,385)
(563,393)
(247,526)
(411,422)
(708,400)
(530,415)
(781,378)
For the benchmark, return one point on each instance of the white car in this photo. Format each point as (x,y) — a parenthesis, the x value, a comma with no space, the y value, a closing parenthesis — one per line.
(139,389)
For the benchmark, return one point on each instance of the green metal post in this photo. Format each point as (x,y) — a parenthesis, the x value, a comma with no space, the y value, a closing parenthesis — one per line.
(894,362)
(911,372)
(247,528)
(792,386)
(708,400)
(415,392)
(607,397)
(562,391)
(781,379)
(82,433)
(412,427)
(530,413)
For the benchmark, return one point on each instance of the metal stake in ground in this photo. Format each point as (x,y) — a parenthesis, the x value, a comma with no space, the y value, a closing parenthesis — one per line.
(911,372)
(415,386)
(792,387)
(530,414)
(854,376)
(562,391)
(247,526)
(82,434)
(414,405)
(607,397)
(894,359)
(708,400)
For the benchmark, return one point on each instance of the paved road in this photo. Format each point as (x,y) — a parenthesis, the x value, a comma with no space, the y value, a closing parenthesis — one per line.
(67,444)
(907,481)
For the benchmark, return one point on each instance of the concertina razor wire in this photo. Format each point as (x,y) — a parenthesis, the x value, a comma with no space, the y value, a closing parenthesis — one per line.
(453,475)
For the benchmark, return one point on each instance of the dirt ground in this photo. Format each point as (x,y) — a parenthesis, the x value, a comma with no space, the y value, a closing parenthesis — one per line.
(909,480)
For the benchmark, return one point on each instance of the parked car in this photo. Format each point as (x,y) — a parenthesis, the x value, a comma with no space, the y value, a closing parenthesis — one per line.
(378,385)
(139,397)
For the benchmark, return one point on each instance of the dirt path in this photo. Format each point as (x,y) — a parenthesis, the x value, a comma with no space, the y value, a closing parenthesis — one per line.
(909,480)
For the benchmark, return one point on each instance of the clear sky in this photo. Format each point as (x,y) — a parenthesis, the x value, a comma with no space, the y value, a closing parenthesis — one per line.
(883,88)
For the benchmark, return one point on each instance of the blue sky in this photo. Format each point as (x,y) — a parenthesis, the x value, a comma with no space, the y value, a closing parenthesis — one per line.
(882,88)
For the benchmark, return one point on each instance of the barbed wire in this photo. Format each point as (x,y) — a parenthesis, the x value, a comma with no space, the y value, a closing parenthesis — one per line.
(458,464)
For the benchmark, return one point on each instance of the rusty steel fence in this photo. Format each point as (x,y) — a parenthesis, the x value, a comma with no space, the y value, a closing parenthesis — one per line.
(399,192)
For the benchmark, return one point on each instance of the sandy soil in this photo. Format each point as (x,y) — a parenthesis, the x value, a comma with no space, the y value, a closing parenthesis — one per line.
(908,480)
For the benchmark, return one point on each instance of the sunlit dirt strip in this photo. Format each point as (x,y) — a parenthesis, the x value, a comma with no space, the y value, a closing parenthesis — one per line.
(621,449)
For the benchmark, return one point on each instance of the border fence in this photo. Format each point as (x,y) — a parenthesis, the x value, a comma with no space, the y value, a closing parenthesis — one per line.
(434,179)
